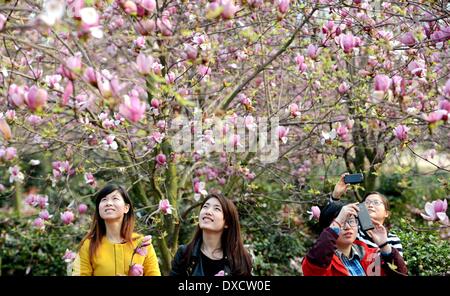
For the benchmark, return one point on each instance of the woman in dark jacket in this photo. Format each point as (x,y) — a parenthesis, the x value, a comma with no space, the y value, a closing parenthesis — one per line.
(216,248)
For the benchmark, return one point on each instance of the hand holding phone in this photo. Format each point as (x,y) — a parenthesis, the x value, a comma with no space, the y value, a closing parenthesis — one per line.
(365,222)
(353,178)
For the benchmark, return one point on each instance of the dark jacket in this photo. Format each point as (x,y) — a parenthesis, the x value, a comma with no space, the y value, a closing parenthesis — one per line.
(322,259)
(194,267)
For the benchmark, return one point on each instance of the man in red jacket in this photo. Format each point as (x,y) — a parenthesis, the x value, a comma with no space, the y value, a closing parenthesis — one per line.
(337,252)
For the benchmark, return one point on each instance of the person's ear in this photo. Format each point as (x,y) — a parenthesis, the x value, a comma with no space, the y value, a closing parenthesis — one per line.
(226,226)
(127,208)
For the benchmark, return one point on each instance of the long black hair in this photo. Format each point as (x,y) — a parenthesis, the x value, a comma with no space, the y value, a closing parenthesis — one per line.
(232,246)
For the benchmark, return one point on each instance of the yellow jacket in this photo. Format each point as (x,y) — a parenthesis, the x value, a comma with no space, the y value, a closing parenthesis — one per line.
(114,259)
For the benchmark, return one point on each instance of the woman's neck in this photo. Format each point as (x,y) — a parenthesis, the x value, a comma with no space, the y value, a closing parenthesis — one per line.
(113,231)
(212,242)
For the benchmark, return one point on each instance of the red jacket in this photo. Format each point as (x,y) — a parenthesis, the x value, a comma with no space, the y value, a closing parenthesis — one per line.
(322,260)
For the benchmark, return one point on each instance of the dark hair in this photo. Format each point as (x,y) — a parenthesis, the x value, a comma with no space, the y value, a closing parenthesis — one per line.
(231,241)
(329,212)
(98,227)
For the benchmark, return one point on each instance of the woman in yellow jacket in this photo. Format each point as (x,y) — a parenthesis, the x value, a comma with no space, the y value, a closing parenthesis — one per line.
(111,247)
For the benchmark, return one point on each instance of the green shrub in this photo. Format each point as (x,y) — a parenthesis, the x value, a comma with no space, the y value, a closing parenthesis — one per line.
(424,251)
(25,250)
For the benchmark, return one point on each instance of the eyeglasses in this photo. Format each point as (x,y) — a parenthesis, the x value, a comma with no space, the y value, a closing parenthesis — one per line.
(352,222)
(373,202)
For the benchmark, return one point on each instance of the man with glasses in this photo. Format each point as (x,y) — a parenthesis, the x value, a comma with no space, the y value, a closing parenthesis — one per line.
(338,253)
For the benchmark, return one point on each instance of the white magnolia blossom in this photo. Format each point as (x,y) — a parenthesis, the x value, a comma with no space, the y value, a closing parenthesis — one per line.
(53,11)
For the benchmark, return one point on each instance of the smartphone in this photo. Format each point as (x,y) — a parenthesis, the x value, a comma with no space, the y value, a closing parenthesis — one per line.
(365,222)
(353,178)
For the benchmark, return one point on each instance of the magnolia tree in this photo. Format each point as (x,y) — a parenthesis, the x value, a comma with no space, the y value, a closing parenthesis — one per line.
(182,98)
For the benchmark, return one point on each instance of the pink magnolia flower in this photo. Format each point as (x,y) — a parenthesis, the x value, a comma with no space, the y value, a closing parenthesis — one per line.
(67,217)
(444,105)
(34,120)
(72,67)
(347,42)
(343,88)
(41,201)
(401,132)
(161,124)
(244,100)
(165,207)
(435,116)
(82,208)
(136,270)
(39,223)
(10,153)
(36,98)
(44,215)
(235,140)
(17,94)
(229,9)
(139,42)
(90,76)
(382,82)
(399,85)
(90,179)
(157,137)
(68,92)
(299,59)
(109,143)
(132,108)
(15,174)
(312,51)
(69,256)
(170,78)
(10,115)
(146,241)
(144,63)
(130,7)
(436,210)
(342,132)
(149,5)
(164,25)
(282,134)
(417,68)
(408,39)
(447,89)
(199,187)
(249,122)
(141,251)
(145,26)
(283,5)
(314,213)
(294,110)
(203,70)
(161,159)
(190,52)
(155,103)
